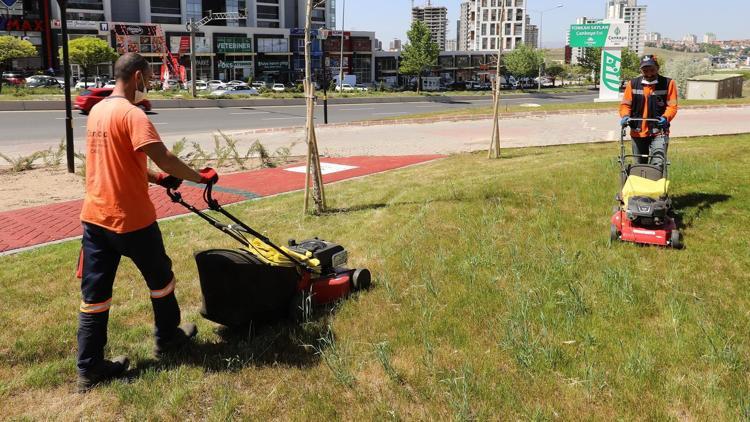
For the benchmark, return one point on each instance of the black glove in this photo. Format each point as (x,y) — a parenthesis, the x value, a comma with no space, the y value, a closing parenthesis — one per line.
(168,181)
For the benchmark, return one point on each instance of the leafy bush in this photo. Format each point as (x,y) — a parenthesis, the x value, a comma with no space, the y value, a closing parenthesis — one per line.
(682,69)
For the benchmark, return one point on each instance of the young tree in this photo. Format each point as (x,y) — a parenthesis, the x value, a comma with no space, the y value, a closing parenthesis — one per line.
(524,61)
(591,60)
(420,53)
(554,71)
(313,156)
(89,52)
(13,48)
(682,69)
(631,64)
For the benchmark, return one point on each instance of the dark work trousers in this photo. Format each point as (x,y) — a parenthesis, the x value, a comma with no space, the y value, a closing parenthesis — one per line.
(655,146)
(100,257)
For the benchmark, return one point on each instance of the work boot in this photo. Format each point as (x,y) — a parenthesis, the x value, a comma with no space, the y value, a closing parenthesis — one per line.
(181,337)
(103,371)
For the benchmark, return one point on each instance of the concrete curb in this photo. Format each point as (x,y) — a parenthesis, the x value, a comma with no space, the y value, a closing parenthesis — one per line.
(269,102)
(428,120)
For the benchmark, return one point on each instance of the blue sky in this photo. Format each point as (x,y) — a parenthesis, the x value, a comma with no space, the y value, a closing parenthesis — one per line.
(728,19)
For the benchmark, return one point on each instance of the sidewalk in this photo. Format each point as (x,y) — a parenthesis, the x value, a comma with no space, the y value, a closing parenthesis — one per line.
(30,227)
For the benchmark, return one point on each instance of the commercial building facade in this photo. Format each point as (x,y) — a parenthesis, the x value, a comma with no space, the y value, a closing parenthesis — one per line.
(266,45)
(30,20)
(454,66)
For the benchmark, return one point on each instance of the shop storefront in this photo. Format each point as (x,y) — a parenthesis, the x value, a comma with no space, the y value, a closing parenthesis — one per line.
(179,45)
(29,20)
(234,57)
(272,59)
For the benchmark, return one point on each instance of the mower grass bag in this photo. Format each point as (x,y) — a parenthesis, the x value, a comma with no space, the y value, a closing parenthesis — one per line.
(237,287)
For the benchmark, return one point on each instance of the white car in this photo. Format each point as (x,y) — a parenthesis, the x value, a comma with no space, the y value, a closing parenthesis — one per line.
(361,87)
(199,85)
(259,85)
(216,84)
(237,83)
(110,84)
(237,90)
(278,87)
(344,87)
(85,84)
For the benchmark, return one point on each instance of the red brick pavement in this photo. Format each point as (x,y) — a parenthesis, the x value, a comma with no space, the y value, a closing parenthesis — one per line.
(35,226)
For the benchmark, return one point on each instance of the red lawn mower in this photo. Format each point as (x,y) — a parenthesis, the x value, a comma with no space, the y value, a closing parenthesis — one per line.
(263,282)
(644,211)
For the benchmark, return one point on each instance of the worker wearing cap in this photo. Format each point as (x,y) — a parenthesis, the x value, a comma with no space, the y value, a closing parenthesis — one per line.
(649,96)
(119,220)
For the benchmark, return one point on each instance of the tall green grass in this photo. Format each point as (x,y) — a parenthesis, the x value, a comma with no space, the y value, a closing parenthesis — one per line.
(497,295)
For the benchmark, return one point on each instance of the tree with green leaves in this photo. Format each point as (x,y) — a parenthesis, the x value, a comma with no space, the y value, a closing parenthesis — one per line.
(420,54)
(711,49)
(683,68)
(13,48)
(591,60)
(89,52)
(631,64)
(524,61)
(554,71)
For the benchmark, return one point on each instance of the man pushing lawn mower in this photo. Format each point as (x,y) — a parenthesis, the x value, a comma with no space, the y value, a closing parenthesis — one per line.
(644,211)
(119,219)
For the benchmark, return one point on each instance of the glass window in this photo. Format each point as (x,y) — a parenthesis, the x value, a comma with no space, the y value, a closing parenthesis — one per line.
(268,12)
(86,4)
(167,7)
(166,19)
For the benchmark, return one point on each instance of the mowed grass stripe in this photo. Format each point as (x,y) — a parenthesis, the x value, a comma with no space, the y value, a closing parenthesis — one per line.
(496,296)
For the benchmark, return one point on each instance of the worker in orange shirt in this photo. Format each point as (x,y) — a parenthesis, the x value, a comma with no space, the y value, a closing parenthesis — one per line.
(649,96)
(119,219)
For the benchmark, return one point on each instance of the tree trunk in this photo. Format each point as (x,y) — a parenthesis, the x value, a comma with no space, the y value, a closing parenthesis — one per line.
(313,156)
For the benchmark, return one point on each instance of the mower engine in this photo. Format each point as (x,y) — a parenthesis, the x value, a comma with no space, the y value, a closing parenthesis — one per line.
(330,255)
(647,212)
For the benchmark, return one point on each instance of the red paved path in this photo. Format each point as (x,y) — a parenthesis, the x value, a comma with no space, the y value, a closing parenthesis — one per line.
(34,226)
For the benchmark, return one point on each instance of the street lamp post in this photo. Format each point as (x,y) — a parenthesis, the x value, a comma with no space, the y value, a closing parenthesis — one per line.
(341,58)
(69,147)
(541,23)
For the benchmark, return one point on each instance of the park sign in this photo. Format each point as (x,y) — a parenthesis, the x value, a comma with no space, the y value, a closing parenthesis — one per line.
(599,35)
(609,83)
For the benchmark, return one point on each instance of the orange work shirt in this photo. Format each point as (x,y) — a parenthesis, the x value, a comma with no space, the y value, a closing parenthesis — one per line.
(116,172)
(627,104)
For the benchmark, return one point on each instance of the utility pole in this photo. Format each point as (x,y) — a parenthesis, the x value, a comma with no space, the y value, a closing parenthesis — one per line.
(193,27)
(341,58)
(69,147)
(541,24)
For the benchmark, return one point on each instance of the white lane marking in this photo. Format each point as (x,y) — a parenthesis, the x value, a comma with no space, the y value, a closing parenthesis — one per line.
(74,118)
(251,112)
(284,118)
(325,168)
(357,109)
(160,123)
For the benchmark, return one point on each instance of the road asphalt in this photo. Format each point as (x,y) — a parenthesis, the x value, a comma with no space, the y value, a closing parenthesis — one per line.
(28,131)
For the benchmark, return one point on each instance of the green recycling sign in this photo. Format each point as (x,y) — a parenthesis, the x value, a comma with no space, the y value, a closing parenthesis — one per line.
(599,35)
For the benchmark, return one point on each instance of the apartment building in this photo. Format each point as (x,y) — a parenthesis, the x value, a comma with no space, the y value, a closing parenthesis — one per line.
(492,24)
(532,34)
(436,19)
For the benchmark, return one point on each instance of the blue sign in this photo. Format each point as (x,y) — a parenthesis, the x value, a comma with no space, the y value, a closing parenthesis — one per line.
(9,3)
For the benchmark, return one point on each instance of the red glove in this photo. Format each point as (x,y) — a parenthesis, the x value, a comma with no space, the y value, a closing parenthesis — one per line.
(168,181)
(208,175)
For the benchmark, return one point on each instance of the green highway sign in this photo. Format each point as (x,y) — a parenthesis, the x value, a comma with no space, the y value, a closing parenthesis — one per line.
(599,35)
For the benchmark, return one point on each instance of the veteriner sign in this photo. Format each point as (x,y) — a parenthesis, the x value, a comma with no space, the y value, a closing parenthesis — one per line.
(613,35)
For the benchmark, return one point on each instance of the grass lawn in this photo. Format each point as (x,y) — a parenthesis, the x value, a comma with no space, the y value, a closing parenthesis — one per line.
(496,296)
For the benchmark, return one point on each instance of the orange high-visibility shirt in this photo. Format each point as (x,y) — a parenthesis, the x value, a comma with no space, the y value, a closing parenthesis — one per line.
(116,172)
(627,105)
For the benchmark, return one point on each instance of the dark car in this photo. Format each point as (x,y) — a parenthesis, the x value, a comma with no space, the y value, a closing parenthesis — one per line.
(13,78)
(89,97)
(457,86)
(40,81)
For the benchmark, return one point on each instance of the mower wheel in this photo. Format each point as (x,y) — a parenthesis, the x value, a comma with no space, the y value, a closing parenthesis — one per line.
(361,279)
(676,239)
(299,307)
(614,235)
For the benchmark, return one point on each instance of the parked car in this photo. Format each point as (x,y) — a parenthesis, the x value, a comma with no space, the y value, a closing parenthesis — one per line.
(344,88)
(457,86)
(41,81)
(237,83)
(278,87)
(13,78)
(234,90)
(85,84)
(110,84)
(199,85)
(361,87)
(216,84)
(88,98)
(259,85)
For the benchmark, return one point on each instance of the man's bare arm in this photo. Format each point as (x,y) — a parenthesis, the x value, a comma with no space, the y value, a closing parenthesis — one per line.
(169,163)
